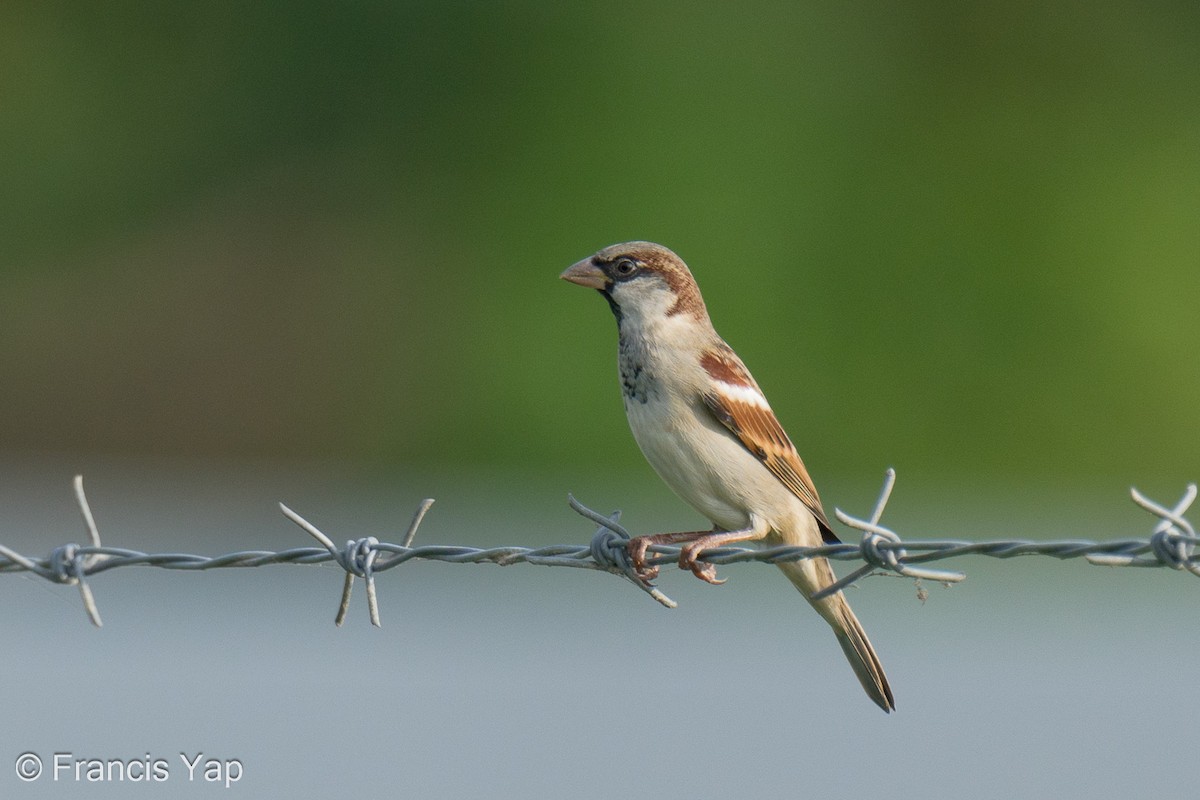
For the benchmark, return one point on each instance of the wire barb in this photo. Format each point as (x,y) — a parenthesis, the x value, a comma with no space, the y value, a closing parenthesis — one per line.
(68,563)
(1173,542)
(358,558)
(610,549)
(882,548)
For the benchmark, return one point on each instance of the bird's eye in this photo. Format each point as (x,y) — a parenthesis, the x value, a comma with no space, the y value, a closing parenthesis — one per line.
(625,267)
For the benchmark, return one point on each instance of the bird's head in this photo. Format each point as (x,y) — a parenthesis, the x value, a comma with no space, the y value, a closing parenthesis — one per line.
(641,281)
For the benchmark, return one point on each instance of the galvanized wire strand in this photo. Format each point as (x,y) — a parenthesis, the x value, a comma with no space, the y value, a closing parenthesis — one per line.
(1171,544)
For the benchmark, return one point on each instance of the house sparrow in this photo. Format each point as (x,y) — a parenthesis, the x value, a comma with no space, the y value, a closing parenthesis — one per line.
(707,430)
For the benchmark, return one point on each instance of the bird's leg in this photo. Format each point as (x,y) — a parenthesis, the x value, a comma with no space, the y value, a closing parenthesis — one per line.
(691,551)
(638,546)
(697,542)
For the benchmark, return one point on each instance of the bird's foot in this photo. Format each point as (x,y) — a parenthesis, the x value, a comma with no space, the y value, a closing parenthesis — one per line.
(689,560)
(697,542)
(637,548)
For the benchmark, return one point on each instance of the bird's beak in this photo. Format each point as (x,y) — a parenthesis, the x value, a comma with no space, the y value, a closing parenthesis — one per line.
(585,273)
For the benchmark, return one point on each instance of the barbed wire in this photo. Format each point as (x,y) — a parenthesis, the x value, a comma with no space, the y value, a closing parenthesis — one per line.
(1171,544)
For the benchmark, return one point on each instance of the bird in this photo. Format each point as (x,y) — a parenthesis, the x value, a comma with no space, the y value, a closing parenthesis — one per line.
(705,427)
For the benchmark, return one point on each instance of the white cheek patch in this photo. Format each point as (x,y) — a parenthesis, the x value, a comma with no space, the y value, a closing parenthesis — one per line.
(744,394)
(644,298)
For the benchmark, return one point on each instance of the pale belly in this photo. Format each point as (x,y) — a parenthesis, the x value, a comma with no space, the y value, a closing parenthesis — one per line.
(708,468)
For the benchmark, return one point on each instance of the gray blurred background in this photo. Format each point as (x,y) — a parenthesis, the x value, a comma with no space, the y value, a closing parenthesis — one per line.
(309,252)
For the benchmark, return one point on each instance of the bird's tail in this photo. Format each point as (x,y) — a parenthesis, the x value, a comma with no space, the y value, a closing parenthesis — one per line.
(862,657)
(809,576)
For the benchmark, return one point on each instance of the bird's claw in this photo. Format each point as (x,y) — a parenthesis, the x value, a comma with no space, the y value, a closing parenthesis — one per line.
(637,557)
(706,573)
(639,547)
(688,559)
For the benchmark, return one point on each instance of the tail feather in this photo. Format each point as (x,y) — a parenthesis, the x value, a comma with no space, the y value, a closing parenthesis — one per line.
(863,659)
(810,576)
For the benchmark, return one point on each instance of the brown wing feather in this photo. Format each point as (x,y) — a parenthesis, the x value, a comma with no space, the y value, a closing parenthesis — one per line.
(758,429)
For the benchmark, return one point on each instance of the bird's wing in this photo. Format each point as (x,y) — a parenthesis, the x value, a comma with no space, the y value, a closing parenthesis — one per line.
(739,405)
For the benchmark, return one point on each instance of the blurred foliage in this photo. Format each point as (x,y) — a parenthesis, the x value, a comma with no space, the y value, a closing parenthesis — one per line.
(956,238)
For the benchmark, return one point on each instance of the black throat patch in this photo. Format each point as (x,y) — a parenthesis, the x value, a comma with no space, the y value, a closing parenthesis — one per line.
(638,384)
(612,304)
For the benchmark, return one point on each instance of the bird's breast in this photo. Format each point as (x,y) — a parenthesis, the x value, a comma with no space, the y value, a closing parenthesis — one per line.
(708,469)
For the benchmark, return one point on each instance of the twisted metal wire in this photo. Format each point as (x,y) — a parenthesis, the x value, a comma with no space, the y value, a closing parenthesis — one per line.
(1171,544)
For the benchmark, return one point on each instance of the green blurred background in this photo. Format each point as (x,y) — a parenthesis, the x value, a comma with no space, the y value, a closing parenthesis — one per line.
(961,239)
